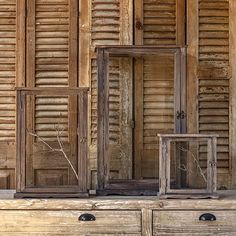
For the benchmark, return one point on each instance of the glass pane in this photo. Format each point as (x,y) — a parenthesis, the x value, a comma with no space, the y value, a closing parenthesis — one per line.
(51,144)
(188,170)
(158,108)
(141,105)
(120,118)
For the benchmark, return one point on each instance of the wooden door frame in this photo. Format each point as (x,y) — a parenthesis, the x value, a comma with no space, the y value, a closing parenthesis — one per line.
(130,187)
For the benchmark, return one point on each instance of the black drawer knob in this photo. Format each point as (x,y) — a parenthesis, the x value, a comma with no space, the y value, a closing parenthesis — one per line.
(207,217)
(87,217)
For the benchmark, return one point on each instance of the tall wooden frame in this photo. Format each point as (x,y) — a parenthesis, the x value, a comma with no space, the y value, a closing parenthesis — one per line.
(79,190)
(134,186)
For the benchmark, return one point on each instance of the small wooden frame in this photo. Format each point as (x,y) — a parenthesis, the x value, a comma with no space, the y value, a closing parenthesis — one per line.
(78,100)
(135,186)
(165,190)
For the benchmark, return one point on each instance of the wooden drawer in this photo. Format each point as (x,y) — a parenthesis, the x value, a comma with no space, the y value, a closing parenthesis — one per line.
(188,223)
(23,222)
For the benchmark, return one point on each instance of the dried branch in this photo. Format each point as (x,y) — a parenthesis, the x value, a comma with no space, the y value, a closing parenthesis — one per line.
(184,168)
(196,161)
(64,154)
(61,149)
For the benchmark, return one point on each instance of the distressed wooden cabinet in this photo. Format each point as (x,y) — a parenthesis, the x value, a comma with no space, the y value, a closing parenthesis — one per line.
(144,216)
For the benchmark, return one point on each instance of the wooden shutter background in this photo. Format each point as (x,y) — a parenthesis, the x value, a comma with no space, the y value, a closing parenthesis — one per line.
(7,93)
(111,24)
(213,81)
(157,22)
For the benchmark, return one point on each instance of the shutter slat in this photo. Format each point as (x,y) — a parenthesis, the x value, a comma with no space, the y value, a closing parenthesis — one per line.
(7,69)
(159,22)
(106,22)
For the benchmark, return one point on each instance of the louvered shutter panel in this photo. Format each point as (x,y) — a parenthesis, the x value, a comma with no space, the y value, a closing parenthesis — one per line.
(51,54)
(157,22)
(7,94)
(160,22)
(111,22)
(214,81)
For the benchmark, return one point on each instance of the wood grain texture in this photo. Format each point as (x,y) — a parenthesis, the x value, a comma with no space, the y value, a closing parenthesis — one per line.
(20,42)
(192,82)
(84,15)
(146,222)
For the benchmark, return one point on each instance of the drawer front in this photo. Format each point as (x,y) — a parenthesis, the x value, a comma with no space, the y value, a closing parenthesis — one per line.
(188,223)
(67,222)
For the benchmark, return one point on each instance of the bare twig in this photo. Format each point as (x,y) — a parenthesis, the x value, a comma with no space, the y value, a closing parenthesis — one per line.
(184,168)
(64,154)
(61,149)
(42,140)
(196,161)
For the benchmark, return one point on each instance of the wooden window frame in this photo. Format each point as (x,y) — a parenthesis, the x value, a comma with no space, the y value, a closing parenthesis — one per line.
(165,190)
(142,186)
(79,190)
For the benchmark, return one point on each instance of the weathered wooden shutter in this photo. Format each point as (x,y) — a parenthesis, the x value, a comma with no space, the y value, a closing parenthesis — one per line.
(111,22)
(213,80)
(157,22)
(7,94)
(51,61)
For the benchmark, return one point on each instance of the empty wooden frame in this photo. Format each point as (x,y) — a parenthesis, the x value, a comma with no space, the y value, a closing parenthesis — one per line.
(134,183)
(165,142)
(51,142)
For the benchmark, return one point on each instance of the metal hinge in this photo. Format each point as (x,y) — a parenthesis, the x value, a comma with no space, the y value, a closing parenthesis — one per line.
(180,115)
(83,140)
(139,25)
(132,124)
